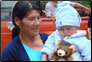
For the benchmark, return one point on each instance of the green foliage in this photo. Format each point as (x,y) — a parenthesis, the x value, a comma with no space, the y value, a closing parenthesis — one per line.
(43,3)
(85,3)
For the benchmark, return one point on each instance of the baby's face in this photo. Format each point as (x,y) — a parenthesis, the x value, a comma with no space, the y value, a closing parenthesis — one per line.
(67,30)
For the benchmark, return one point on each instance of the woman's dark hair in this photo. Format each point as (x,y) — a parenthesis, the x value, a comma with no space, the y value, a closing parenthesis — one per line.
(20,10)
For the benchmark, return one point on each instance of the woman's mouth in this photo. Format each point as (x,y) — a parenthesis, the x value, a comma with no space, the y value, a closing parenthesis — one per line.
(35,29)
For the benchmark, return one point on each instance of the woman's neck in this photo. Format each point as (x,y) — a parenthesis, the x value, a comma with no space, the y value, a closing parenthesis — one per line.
(34,42)
(28,38)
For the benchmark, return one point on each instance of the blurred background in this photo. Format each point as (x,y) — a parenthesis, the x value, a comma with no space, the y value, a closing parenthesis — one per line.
(6,7)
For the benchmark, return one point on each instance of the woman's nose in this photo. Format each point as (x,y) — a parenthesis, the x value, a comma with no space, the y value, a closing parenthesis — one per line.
(37,21)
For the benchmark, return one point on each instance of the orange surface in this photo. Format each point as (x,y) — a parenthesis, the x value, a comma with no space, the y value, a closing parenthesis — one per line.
(47,26)
(5,34)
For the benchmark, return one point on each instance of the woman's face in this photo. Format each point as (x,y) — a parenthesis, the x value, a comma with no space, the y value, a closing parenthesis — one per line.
(30,24)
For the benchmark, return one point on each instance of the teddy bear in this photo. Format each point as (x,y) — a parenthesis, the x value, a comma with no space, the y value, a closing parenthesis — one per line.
(62,52)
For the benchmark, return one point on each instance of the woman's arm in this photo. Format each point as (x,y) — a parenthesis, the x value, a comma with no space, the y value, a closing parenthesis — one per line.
(83,8)
(77,5)
(8,55)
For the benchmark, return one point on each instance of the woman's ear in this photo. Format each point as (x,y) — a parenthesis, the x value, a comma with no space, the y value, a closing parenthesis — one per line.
(17,21)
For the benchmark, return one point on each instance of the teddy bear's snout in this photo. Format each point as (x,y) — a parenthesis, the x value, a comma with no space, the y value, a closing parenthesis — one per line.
(61,53)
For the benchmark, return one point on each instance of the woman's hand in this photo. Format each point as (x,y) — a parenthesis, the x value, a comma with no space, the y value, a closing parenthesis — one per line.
(44,57)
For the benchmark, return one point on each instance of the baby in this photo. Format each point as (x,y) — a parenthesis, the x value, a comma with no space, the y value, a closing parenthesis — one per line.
(67,24)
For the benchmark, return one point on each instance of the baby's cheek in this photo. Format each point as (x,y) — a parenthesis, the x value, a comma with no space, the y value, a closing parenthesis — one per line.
(71,32)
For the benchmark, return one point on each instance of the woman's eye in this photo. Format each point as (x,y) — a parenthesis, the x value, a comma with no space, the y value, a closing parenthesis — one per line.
(31,19)
(38,18)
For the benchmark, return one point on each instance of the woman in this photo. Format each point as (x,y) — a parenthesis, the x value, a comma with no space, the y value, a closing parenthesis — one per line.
(27,45)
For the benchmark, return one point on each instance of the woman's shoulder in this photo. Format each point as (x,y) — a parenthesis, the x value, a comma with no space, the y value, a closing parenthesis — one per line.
(12,44)
(14,51)
(44,36)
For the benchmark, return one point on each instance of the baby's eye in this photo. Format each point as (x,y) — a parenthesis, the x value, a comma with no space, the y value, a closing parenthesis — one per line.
(68,28)
(61,29)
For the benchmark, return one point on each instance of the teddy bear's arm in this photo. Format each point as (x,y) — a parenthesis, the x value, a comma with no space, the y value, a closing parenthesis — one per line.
(70,58)
(51,55)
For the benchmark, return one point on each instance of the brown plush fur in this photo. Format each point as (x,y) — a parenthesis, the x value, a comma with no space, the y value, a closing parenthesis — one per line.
(68,49)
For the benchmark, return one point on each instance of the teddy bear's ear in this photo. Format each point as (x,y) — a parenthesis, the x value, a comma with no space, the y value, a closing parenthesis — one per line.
(58,44)
(59,41)
(73,48)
